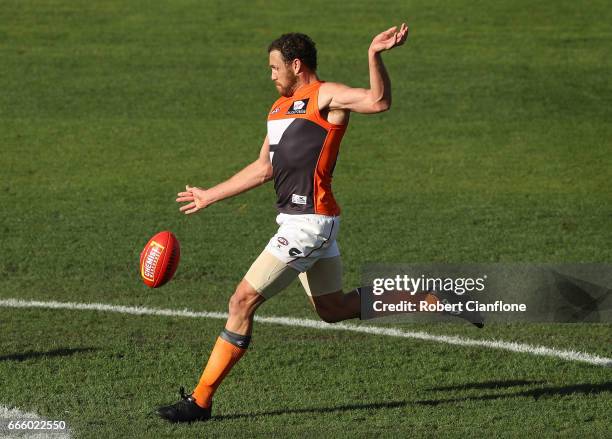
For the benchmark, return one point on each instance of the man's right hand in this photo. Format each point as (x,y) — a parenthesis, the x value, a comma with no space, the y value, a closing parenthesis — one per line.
(196,199)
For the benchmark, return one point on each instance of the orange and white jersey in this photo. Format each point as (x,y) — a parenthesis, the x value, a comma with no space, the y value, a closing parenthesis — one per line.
(303,151)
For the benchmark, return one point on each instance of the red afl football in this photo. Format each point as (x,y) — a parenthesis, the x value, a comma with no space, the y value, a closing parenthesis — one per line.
(159,259)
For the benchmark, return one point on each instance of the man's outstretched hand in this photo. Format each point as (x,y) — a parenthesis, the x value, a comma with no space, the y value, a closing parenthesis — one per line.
(389,39)
(196,199)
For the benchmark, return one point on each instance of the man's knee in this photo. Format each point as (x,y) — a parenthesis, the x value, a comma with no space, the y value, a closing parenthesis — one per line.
(329,307)
(245,300)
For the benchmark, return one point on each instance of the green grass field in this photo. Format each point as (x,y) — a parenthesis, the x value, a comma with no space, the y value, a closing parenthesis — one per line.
(497,149)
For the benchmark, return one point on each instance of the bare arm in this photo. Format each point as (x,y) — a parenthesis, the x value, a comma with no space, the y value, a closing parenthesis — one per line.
(251,176)
(378,97)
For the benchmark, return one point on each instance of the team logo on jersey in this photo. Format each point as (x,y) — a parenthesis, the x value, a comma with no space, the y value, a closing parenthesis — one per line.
(298,107)
(276,110)
(298,199)
(282,241)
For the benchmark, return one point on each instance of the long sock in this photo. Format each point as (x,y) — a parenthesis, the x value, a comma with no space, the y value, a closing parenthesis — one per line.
(229,348)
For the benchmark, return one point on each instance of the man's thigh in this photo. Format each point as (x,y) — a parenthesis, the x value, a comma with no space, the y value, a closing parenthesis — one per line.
(323,278)
(269,275)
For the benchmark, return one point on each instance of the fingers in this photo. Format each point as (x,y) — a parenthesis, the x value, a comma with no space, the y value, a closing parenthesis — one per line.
(183,197)
(187,208)
(188,192)
(390,31)
(189,198)
(396,38)
(190,189)
(402,34)
(386,34)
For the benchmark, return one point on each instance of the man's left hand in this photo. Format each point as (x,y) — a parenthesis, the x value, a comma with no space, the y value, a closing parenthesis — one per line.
(389,39)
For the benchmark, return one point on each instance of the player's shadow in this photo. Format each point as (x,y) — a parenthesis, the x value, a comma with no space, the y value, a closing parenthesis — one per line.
(61,352)
(534,393)
(339,408)
(576,389)
(488,385)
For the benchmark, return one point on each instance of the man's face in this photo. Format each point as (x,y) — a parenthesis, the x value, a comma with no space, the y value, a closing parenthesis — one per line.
(283,76)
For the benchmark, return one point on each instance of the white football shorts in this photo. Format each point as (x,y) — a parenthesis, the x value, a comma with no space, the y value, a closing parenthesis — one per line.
(305,246)
(301,240)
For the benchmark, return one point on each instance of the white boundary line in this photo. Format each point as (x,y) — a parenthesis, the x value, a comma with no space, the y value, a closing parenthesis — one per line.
(567,355)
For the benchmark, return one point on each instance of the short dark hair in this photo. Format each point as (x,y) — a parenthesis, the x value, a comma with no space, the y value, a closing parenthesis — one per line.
(296,45)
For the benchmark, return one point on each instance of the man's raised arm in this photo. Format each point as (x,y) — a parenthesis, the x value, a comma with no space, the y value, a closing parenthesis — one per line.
(378,97)
(253,175)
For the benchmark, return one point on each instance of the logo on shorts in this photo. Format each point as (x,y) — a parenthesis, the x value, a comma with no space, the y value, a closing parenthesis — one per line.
(298,107)
(298,199)
(294,252)
(282,241)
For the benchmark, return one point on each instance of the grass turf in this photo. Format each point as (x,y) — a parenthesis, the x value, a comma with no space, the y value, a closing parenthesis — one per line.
(104,373)
(497,149)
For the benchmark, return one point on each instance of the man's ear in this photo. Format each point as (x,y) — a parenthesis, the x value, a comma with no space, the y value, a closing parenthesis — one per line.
(296,65)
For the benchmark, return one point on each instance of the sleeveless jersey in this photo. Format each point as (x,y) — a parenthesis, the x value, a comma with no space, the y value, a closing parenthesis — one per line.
(303,151)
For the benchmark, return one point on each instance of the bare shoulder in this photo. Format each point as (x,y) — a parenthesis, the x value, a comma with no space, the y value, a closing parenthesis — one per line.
(329,110)
(332,87)
(337,96)
(327,91)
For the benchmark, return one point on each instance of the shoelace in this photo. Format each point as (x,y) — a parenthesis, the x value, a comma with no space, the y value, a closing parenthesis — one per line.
(184,395)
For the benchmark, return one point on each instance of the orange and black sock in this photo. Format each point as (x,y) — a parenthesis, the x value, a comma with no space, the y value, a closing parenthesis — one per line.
(229,348)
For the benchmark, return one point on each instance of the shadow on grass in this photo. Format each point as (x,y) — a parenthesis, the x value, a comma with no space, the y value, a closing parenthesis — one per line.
(62,352)
(489,385)
(578,389)
(340,408)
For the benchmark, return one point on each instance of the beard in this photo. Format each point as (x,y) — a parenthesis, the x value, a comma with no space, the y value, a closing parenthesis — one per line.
(289,87)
